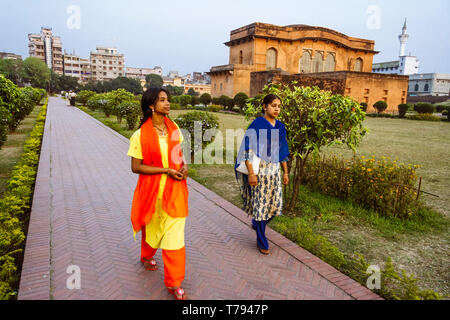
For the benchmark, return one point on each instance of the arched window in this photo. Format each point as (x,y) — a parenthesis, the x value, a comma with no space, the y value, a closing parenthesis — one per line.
(416,87)
(427,87)
(241,57)
(318,62)
(271,59)
(305,62)
(330,63)
(358,65)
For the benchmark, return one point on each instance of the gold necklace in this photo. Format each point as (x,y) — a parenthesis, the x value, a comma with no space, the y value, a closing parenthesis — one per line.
(162,131)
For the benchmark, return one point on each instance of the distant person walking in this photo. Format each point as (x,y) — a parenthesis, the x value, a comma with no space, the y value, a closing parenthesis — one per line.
(264,146)
(160,202)
(72,97)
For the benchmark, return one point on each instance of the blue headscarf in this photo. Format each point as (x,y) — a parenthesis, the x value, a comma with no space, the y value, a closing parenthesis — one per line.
(258,138)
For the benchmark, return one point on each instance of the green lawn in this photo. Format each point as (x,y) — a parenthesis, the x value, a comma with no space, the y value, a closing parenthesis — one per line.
(419,246)
(11,151)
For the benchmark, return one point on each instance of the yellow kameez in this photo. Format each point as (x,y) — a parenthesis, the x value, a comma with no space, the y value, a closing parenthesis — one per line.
(163,231)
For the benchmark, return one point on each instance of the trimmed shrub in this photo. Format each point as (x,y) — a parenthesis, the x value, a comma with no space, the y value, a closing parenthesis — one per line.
(445,112)
(441,107)
(240,99)
(380,106)
(195,100)
(14,210)
(402,109)
(115,98)
(205,99)
(83,96)
(363,106)
(175,106)
(424,117)
(423,107)
(184,100)
(187,122)
(97,101)
(214,108)
(131,111)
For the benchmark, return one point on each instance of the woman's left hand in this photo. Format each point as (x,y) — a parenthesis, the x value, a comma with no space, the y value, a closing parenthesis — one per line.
(285,178)
(184,171)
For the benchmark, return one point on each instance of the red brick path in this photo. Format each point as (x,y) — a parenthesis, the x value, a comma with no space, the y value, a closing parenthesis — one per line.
(80,216)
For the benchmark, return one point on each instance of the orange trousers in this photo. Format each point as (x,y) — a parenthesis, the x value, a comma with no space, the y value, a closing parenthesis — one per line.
(174,262)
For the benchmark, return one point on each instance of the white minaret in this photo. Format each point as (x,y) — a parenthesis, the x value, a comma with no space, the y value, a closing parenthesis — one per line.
(403,38)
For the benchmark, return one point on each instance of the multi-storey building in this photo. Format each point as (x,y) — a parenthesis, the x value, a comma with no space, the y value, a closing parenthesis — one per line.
(8,55)
(142,73)
(107,64)
(48,48)
(75,66)
(197,87)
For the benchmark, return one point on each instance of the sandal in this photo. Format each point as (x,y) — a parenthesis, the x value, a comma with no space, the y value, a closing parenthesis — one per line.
(263,251)
(151,264)
(178,293)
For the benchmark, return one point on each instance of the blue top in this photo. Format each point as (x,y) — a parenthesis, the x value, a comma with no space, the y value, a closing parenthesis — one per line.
(268,142)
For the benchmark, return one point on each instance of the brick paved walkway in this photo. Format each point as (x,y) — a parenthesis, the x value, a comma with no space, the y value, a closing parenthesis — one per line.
(80,216)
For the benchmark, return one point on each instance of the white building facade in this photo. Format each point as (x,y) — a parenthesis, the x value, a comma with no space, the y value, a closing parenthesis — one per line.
(429,84)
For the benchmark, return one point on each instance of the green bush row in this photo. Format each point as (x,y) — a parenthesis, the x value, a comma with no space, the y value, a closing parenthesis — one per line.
(385,186)
(15,104)
(15,209)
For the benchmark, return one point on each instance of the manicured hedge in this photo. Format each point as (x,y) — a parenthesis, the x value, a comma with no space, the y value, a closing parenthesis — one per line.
(15,210)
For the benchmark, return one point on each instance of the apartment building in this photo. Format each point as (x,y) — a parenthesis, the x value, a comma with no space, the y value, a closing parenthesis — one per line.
(48,48)
(107,64)
(77,67)
(9,55)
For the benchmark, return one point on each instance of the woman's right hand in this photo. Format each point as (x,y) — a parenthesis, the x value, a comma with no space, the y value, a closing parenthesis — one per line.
(253,180)
(174,174)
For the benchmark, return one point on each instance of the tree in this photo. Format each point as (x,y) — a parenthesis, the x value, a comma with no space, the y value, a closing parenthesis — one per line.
(205,99)
(154,81)
(174,90)
(192,92)
(12,69)
(313,119)
(36,72)
(131,85)
(184,100)
(195,100)
(240,99)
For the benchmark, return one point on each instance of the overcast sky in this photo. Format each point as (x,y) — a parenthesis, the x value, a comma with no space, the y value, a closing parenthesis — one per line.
(188,35)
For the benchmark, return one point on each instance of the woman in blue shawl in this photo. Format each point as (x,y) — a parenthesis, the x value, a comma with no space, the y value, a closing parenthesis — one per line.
(265,138)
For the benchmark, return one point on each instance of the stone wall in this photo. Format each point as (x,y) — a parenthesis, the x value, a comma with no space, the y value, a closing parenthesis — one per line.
(361,86)
(259,79)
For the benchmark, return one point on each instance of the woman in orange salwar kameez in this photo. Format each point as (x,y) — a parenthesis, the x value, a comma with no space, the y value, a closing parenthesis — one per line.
(160,202)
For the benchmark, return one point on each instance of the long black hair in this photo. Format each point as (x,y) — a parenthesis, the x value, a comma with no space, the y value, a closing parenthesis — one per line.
(150,98)
(268,100)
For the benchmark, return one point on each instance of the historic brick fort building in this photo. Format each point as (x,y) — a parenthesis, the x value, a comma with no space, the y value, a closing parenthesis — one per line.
(262,53)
